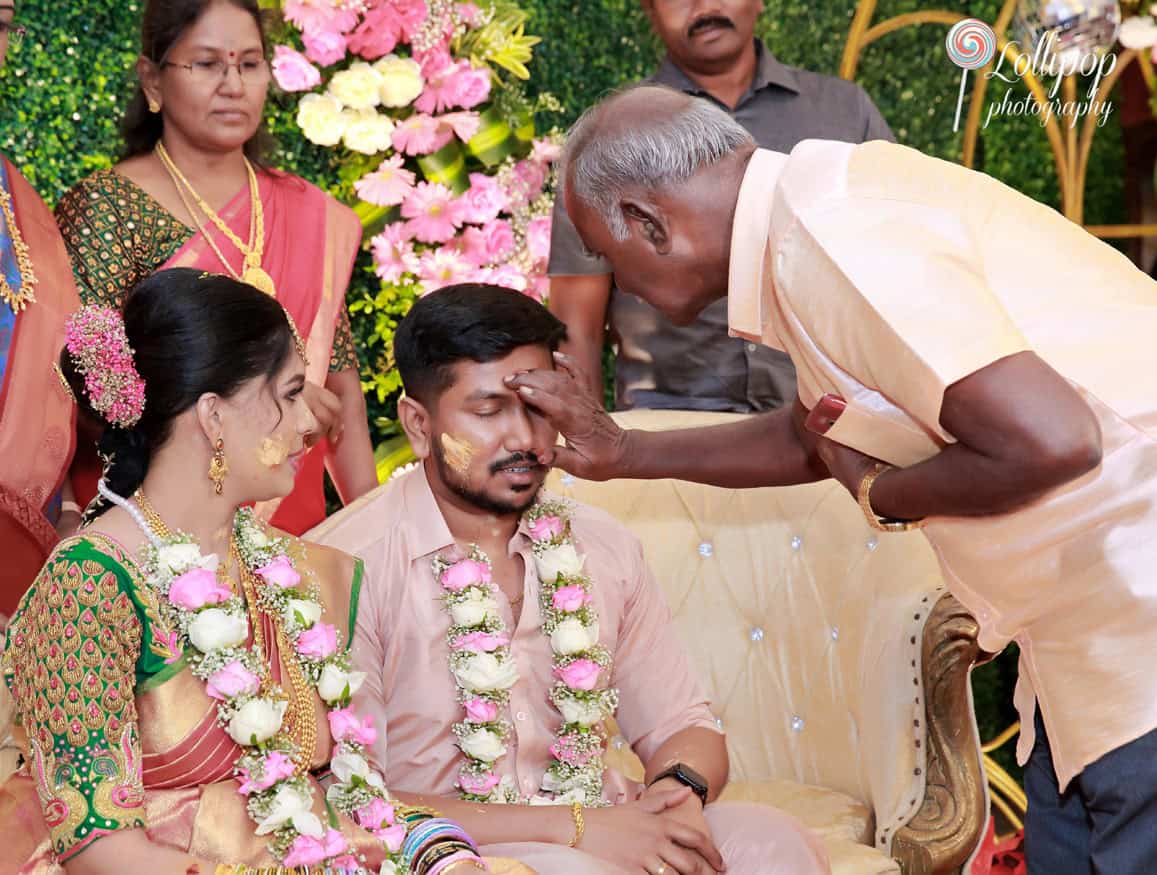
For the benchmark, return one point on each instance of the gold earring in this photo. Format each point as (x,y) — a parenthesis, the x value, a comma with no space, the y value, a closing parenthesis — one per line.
(154,107)
(218,468)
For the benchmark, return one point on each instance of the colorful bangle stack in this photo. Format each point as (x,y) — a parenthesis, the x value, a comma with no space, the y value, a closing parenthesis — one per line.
(434,844)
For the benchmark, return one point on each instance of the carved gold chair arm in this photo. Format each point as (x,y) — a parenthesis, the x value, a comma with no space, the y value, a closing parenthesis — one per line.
(951,820)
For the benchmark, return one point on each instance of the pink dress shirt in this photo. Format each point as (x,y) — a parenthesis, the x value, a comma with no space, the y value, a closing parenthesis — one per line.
(887,276)
(400,642)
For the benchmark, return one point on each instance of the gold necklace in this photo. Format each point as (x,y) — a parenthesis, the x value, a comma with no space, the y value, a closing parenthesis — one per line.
(27,294)
(253,251)
(161,530)
(301,721)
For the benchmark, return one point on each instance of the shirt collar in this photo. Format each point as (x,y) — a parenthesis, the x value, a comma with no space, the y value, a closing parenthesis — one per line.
(768,71)
(426,529)
(749,245)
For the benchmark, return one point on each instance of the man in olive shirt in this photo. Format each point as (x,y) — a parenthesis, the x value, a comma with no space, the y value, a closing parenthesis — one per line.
(711,52)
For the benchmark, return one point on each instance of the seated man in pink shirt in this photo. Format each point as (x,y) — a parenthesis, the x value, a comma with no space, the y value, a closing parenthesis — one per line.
(499,628)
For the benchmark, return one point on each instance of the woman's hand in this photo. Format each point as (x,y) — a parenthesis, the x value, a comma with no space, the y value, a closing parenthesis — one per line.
(650,836)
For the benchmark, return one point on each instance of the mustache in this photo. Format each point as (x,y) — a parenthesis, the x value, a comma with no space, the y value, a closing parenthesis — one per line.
(514,459)
(707,21)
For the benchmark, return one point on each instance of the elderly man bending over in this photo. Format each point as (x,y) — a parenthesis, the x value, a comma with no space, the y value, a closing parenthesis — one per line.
(969,362)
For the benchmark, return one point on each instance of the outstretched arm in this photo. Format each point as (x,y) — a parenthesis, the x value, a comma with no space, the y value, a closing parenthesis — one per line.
(773,449)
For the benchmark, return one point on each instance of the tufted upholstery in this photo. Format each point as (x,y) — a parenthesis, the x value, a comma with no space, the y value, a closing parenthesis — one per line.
(807,628)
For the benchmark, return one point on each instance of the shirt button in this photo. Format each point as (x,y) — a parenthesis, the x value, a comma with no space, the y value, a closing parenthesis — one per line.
(521,715)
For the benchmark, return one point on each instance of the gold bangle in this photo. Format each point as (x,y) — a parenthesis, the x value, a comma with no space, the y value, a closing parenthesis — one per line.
(580,826)
(879,523)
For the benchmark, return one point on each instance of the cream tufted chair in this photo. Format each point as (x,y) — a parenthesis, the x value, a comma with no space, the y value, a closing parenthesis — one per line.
(836,663)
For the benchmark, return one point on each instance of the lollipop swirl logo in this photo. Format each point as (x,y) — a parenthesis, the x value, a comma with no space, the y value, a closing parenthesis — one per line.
(970,45)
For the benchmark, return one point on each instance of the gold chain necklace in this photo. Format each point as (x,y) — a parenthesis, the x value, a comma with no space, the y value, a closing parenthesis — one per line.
(253,251)
(301,718)
(27,294)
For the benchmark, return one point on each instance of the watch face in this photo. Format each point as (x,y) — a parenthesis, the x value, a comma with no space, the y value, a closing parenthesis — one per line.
(689,778)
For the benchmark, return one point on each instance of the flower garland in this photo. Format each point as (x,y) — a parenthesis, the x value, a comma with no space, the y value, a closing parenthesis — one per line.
(484,670)
(251,707)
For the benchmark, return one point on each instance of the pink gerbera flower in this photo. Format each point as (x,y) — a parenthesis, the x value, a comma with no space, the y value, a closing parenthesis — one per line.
(432,212)
(421,134)
(394,253)
(321,16)
(386,24)
(442,267)
(388,185)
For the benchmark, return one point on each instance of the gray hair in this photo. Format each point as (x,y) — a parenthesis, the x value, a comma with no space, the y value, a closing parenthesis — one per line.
(602,162)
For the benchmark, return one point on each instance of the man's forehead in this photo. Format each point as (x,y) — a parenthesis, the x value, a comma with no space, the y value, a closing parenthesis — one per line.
(474,378)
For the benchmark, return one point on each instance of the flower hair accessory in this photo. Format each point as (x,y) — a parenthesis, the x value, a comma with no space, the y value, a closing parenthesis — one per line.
(95,339)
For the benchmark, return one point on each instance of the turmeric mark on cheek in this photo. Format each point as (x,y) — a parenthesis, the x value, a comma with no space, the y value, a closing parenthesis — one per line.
(272,453)
(459,453)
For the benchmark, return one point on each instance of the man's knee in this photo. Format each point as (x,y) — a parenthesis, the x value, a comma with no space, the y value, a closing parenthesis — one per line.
(759,838)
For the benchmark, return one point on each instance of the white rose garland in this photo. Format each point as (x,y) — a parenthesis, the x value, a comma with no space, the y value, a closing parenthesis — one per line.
(210,626)
(482,665)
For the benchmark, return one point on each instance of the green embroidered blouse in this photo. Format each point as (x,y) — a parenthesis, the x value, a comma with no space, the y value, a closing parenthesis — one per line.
(80,641)
(117,234)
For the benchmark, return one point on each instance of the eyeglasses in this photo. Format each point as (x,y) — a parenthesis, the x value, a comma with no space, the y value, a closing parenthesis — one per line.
(252,72)
(14,32)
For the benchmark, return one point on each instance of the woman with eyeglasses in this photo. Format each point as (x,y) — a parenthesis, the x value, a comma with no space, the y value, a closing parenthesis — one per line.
(37,414)
(192,191)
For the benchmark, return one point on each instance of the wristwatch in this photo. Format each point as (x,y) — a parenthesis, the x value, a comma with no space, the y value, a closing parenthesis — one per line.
(686,776)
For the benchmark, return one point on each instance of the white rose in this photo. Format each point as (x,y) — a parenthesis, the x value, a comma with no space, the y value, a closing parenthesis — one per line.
(258,538)
(482,744)
(346,766)
(388,868)
(176,559)
(401,81)
(484,673)
(256,721)
(287,804)
(571,636)
(579,711)
(357,87)
(333,682)
(310,612)
(563,559)
(215,629)
(368,131)
(473,610)
(551,784)
(308,824)
(321,119)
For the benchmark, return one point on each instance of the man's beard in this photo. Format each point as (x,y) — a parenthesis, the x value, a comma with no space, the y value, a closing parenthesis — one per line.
(478,499)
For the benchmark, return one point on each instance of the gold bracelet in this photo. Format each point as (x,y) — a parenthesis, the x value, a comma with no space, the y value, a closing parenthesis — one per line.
(580,826)
(879,523)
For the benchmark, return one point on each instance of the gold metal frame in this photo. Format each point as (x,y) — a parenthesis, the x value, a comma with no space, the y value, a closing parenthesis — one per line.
(1007,795)
(1070,149)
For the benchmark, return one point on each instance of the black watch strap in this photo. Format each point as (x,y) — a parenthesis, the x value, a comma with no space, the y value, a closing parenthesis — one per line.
(686,776)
